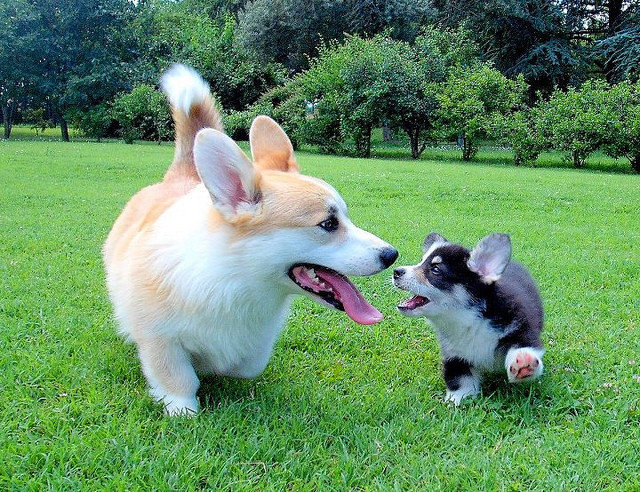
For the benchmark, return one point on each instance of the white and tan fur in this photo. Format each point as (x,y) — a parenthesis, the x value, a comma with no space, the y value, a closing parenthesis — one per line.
(197,264)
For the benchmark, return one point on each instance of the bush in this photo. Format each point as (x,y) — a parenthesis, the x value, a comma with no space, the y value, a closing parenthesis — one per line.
(578,121)
(284,104)
(473,103)
(96,122)
(624,141)
(346,84)
(143,114)
(521,131)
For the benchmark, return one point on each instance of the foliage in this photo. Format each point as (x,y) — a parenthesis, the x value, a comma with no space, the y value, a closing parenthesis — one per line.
(521,131)
(76,52)
(623,138)
(96,122)
(622,52)
(347,89)
(37,119)
(578,121)
(143,114)
(209,46)
(473,103)
(292,31)
(285,104)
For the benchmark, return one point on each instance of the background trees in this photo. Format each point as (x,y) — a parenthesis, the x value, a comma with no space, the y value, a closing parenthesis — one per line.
(431,70)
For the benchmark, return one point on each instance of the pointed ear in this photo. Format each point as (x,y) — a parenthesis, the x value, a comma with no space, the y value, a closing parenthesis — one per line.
(430,240)
(490,257)
(225,171)
(270,147)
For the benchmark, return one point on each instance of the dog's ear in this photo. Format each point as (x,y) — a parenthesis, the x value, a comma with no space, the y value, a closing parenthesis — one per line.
(430,240)
(490,257)
(270,147)
(226,172)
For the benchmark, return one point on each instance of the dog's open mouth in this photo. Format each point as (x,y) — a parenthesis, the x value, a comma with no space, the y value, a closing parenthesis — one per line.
(413,303)
(336,290)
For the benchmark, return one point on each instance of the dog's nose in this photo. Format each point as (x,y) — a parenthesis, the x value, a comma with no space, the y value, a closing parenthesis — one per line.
(388,256)
(398,272)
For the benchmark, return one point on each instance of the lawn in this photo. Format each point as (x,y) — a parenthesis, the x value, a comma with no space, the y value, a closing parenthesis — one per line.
(340,406)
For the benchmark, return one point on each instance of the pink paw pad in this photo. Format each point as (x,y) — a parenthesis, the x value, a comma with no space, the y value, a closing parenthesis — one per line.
(524,366)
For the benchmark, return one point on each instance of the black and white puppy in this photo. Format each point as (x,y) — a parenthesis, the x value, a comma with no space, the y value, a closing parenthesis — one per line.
(485,308)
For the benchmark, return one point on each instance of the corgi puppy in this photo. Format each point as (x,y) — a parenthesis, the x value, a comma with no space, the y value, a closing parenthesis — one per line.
(202,267)
(485,308)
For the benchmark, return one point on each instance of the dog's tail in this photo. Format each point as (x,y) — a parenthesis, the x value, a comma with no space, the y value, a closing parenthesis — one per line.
(193,108)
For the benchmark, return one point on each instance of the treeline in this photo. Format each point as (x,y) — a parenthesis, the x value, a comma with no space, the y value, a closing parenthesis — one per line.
(436,90)
(433,69)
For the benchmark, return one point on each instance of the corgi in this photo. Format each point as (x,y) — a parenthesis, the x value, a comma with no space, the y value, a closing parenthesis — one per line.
(202,267)
(485,308)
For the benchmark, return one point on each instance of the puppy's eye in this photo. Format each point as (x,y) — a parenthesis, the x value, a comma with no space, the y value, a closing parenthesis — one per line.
(330,225)
(435,269)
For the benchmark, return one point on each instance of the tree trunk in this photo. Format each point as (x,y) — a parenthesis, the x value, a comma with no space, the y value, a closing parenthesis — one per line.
(7,117)
(615,17)
(577,160)
(387,132)
(635,163)
(363,142)
(64,129)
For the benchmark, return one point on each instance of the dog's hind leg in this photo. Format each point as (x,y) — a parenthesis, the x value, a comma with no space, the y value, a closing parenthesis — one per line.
(172,379)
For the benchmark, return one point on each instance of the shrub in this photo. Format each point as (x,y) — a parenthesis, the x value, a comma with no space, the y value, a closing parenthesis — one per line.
(345,83)
(143,114)
(577,121)
(284,104)
(521,131)
(96,122)
(473,103)
(624,139)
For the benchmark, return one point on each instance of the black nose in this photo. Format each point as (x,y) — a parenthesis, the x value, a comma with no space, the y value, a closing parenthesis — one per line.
(398,272)
(388,256)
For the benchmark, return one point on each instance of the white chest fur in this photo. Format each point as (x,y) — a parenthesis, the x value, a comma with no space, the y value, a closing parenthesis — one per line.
(469,337)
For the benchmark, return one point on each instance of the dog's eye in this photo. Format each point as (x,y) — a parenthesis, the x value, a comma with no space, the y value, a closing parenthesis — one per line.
(435,269)
(329,225)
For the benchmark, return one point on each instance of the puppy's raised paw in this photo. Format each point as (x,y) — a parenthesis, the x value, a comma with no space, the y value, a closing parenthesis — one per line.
(523,364)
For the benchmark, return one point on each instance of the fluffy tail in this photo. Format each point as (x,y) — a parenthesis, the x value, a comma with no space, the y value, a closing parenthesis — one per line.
(193,108)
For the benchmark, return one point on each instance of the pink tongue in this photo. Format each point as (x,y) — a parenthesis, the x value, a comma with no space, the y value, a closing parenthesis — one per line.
(356,306)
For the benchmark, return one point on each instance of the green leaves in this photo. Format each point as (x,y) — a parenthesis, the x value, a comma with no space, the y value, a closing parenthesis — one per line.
(143,114)
(474,101)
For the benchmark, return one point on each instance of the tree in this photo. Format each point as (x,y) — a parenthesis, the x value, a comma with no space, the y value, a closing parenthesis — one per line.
(209,46)
(291,31)
(143,114)
(349,94)
(578,121)
(73,53)
(413,77)
(623,140)
(474,101)
(16,50)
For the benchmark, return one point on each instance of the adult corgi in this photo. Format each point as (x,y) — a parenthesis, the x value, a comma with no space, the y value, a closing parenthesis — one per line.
(202,267)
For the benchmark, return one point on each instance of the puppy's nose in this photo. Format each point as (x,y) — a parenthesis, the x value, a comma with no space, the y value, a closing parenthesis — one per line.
(398,272)
(388,256)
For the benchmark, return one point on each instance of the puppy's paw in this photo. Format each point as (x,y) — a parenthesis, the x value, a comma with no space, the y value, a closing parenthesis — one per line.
(469,387)
(523,364)
(456,396)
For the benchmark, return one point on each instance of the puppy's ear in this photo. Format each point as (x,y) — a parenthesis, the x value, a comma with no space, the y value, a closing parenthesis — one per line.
(430,240)
(226,172)
(490,257)
(270,147)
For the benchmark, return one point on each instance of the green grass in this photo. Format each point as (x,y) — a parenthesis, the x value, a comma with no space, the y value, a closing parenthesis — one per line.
(340,405)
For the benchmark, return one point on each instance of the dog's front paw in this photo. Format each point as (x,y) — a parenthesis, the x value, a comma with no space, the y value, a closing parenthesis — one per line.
(523,364)
(176,406)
